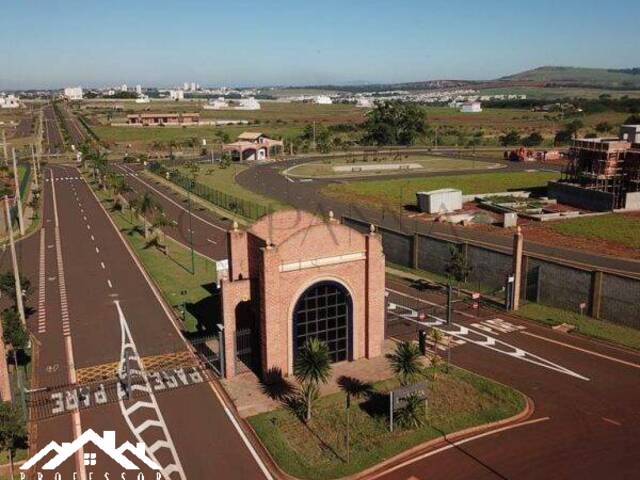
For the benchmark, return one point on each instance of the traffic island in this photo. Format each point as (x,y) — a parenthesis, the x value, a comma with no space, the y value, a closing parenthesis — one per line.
(456,402)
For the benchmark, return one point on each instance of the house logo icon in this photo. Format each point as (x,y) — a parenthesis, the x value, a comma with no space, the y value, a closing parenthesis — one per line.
(106,443)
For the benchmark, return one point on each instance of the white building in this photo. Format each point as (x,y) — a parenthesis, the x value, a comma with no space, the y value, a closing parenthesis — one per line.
(248,104)
(323,100)
(142,98)
(124,88)
(471,107)
(73,93)
(176,95)
(9,101)
(364,102)
(139,89)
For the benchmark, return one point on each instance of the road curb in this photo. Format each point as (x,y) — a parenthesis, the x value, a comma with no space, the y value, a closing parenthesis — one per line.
(413,452)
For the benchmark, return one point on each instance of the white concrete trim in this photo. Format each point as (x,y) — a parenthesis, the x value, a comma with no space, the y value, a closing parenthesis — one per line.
(321,262)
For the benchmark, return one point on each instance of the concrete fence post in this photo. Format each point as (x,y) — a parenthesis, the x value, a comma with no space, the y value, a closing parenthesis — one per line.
(597,278)
(415,251)
(518,243)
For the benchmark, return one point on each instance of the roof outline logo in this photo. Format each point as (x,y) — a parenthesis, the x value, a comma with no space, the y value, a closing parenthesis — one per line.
(106,443)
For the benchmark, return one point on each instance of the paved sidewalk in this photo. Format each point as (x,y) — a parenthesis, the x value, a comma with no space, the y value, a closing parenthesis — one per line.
(251,396)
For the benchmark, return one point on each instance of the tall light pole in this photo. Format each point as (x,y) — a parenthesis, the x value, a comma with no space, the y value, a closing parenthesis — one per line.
(18,199)
(14,260)
(193,259)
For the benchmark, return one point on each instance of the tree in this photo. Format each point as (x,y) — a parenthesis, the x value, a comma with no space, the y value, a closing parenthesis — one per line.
(562,137)
(146,205)
(633,119)
(510,138)
(13,332)
(574,127)
(311,368)
(405,362)
(603,127)
(436,337)
(8,286)
(533,140)
(412,414)
(394,123)
(458,266)
(12,431)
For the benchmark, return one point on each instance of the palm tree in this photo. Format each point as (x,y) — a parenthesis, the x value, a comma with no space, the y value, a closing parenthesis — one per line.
(436,337)
(405,362)
(146,205)
(312,367)
(160,220)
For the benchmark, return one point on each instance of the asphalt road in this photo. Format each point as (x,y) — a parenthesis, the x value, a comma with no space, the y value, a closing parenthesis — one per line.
(580,428)
(55,142)
(97,305)
(267,180)
(207,231)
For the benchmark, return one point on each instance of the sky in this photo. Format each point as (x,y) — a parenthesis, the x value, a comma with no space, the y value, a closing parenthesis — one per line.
(56,43)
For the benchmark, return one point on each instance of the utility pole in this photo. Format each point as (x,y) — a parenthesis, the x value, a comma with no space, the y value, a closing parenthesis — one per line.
(193,259)
(14,260)
(18,199)
(35,166)
(4,148)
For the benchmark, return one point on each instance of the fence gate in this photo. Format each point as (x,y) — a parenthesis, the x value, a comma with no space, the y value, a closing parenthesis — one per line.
(208,350)
(247,350)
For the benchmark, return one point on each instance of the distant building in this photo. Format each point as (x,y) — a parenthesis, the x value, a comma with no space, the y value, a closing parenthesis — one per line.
(216,104)
(252,146)
(142,98)
(248,104)
(159,119)
(176,95)
(139,89)
(243,104)
(9,101)
(124,88)
(73,93)
(471,107)
(364,102)
(323,100)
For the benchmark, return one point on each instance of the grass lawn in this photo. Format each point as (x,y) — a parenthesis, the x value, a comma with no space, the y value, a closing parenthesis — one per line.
(172,272)
(616,227)
(427,163)
(400,192)
(610,332)
(317,450)
(224,180)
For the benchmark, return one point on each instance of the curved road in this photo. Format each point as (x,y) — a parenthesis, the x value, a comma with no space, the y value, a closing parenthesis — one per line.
(267,180)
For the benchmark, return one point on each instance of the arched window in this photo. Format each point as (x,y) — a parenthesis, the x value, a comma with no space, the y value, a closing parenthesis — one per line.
(324,311)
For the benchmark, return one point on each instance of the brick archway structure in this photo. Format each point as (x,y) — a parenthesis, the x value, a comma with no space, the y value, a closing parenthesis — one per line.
(273,264)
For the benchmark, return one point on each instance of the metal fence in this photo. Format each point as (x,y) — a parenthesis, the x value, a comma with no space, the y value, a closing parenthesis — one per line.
(231,203)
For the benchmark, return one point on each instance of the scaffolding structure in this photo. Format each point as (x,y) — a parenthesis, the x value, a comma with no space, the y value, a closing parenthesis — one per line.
(604,165)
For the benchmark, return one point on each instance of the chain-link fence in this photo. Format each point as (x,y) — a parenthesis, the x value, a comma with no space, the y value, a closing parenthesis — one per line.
(231,203)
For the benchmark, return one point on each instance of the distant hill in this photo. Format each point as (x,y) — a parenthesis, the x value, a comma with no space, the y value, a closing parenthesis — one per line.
(628,78)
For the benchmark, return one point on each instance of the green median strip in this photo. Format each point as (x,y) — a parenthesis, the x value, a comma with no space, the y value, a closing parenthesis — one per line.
(317,450)
(189,294)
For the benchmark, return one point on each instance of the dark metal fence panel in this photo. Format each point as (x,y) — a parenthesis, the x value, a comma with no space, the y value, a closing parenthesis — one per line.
(562,286)
(489,268)
(231,203)
(621,300)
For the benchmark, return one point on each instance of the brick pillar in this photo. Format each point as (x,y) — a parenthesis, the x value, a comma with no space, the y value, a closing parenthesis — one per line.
(274,326)
(374,297)
(237,252)
(596,293)
(518,242)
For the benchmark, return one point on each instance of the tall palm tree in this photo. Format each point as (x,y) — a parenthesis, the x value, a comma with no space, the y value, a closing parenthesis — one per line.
(405,362)
(145,206)
(312,367)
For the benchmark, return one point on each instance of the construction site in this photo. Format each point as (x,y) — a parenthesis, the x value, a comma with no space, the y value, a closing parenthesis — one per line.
(602,174)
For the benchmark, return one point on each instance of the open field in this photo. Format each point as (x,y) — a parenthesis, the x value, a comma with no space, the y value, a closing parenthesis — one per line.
(317,450)
(400,192)
(398,164)
(224,180)
(616,227)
